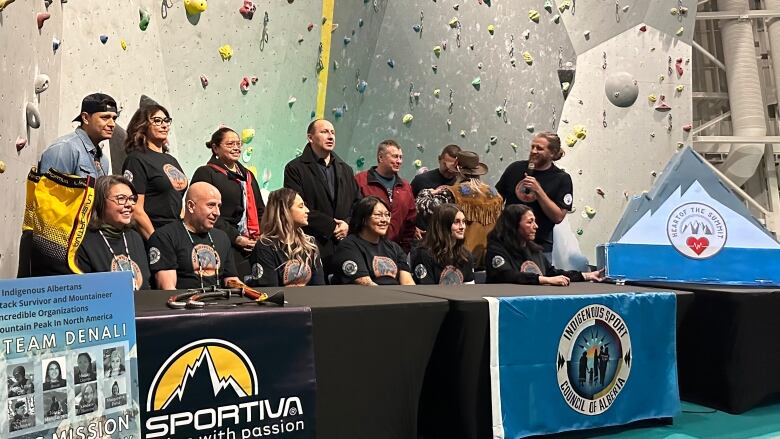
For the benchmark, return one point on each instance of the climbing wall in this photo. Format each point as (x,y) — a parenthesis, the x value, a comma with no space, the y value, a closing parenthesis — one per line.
(610,77)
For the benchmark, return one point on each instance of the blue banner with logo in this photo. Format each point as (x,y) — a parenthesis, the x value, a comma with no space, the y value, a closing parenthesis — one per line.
(562,363)
(227,372)
(68,357)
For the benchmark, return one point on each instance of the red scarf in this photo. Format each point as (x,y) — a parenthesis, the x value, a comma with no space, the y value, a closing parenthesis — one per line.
(252,221)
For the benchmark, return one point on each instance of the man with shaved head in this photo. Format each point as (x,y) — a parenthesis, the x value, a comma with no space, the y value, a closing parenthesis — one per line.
(191,253)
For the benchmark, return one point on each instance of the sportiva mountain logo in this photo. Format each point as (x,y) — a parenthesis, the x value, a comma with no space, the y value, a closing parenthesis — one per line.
(211,386)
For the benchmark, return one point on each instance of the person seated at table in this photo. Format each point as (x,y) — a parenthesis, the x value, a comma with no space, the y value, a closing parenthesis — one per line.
(191,253)
(284,255)
(514,257)
(441,258)
(242,203)
(365,256)
(111,243)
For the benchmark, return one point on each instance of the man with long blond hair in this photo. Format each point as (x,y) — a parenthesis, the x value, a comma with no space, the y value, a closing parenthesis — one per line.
(285,255)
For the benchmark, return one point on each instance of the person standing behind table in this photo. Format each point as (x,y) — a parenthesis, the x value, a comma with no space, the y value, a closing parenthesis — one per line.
(156,175)
(110,243)
(514,258)
(242,203)
(191,253)
(284,255)
(383,181)
(444,175)
(547,189)
(442,258)
(328,187)
(79,153)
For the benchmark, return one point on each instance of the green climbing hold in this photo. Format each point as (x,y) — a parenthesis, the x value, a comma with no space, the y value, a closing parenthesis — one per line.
(360,162)
(145,17)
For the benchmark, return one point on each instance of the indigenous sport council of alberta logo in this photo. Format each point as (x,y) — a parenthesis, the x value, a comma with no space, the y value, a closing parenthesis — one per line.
(594,359)
(696,230)
(211,386)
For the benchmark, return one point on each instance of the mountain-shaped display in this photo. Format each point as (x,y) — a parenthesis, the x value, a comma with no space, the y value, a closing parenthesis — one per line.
(201,387)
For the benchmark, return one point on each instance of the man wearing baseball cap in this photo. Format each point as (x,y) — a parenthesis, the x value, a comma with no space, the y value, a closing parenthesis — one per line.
(79,153)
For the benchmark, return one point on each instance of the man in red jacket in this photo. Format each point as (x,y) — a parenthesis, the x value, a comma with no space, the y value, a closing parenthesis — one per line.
(384,182)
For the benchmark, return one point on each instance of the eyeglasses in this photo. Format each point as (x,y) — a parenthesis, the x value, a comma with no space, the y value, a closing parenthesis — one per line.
(157,121)
(237,143)
(384,215)
(123,200)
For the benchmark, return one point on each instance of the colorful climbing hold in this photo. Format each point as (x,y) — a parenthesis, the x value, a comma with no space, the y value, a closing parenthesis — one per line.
(680,31)
(571,140)
(246,155)
(247,135)
(144,19)
(418,163)
(580,231)
(533,15)
(41,83)
(417,28)
(391,63)
(291,101)
(528,58)
(360,162)
(42,17)
(347,40)
(586,34)
(476,82)
(4,4)
(556,19)
(436,92)
(55,44)
(564,5)
(204,81)
(652,98)
(309,27)
(514,146)
(407,119)
(662,106)
(565,86)
(589,212)
(104,39)
(491,29)
(437,51)
(687,127)
(123,44)
(244,85)
(643,28)
(600,192)
(2,164)
(580,132)
(361,86)
(530,128)
(679,88)
(21,142)
(194,7)
(678,67)
(226,52)
(247,10)
(462,133)
(454,22)
(493,140)
(548,6)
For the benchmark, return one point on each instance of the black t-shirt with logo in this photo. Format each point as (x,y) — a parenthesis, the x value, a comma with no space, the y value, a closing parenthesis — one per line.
(271,267)
(426,271)
(430,180)
(355,257)
(93,256)
(170,248)
(507,267)
(555,182)
(160,179)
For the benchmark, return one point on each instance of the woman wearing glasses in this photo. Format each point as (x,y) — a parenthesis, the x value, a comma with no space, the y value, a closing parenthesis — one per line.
(284,255)
(365,256)
(111,244)
(442,257)
(242,205)
(157,175)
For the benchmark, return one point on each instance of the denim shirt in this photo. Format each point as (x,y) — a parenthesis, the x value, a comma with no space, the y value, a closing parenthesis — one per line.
(73,154)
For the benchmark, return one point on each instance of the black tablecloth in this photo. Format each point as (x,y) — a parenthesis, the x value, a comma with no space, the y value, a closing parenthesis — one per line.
(728,353)
(455,401)
(371,348)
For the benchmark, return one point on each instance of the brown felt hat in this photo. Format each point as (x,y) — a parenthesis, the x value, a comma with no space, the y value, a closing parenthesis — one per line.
(468,164)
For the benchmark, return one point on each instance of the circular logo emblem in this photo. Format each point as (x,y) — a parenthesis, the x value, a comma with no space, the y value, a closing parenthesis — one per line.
(205,260)
(128,175)
(154,255)
(530,267)
(177,178)
(123,263)
(296,274)
(451,276)
(594,359)
(497,261)
(567,199)
(257,271)
(420,271)
(696,230)
(524,194)
(349,268)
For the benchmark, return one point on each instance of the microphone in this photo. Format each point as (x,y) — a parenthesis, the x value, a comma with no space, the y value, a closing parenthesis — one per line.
(529,172)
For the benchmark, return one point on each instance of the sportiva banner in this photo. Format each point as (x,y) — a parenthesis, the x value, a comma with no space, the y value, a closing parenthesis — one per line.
(69,357)
(560,363)
(227,374)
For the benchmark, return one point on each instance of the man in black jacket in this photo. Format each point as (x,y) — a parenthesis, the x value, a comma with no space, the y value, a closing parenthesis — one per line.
(327,185)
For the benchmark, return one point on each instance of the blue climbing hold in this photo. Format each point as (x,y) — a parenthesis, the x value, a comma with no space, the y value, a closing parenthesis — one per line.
(104,39)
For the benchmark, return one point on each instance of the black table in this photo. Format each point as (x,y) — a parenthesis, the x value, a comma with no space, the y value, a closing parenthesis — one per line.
(455,401)
(728,353)
(371,348)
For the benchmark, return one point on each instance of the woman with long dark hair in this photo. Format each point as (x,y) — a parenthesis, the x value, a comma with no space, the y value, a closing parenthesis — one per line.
(157,175)
(442,258)
(242,204)
(53,376)
(110,243)
(514,257)
(365,256)
(284,255)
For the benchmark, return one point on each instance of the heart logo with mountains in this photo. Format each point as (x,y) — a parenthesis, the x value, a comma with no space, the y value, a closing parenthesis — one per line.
(698,245)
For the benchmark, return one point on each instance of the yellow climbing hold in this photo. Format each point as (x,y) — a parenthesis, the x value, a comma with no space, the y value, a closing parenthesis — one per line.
(533,15)
(580,132)
(454,22)
(437,92)
(680,88)
(418,163)
(407,119)
(491,29)
(226,52)
(247,134)
(565,4)
(194,7)
(680,31)
(589,212)
(437,51)
(528,58)
(123,43)
(571,140)
(652,98)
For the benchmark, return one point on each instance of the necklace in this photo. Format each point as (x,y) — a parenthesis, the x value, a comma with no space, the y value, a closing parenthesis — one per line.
(200,261)
(115,259)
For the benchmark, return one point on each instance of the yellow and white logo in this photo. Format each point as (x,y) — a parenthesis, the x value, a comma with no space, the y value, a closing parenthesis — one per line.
(228,366)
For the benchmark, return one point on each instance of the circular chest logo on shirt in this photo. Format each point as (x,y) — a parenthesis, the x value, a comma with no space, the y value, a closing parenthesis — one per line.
(123,263)
(206,259)
(497,261)
(567,199)
(296,274)
(128,175)
(594,359)
(530,267)
(384,266)
(420,271)
(257,270)
(177,178)
(349,268)
(154,255)
(451,276)
(696,230)
(524,194)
